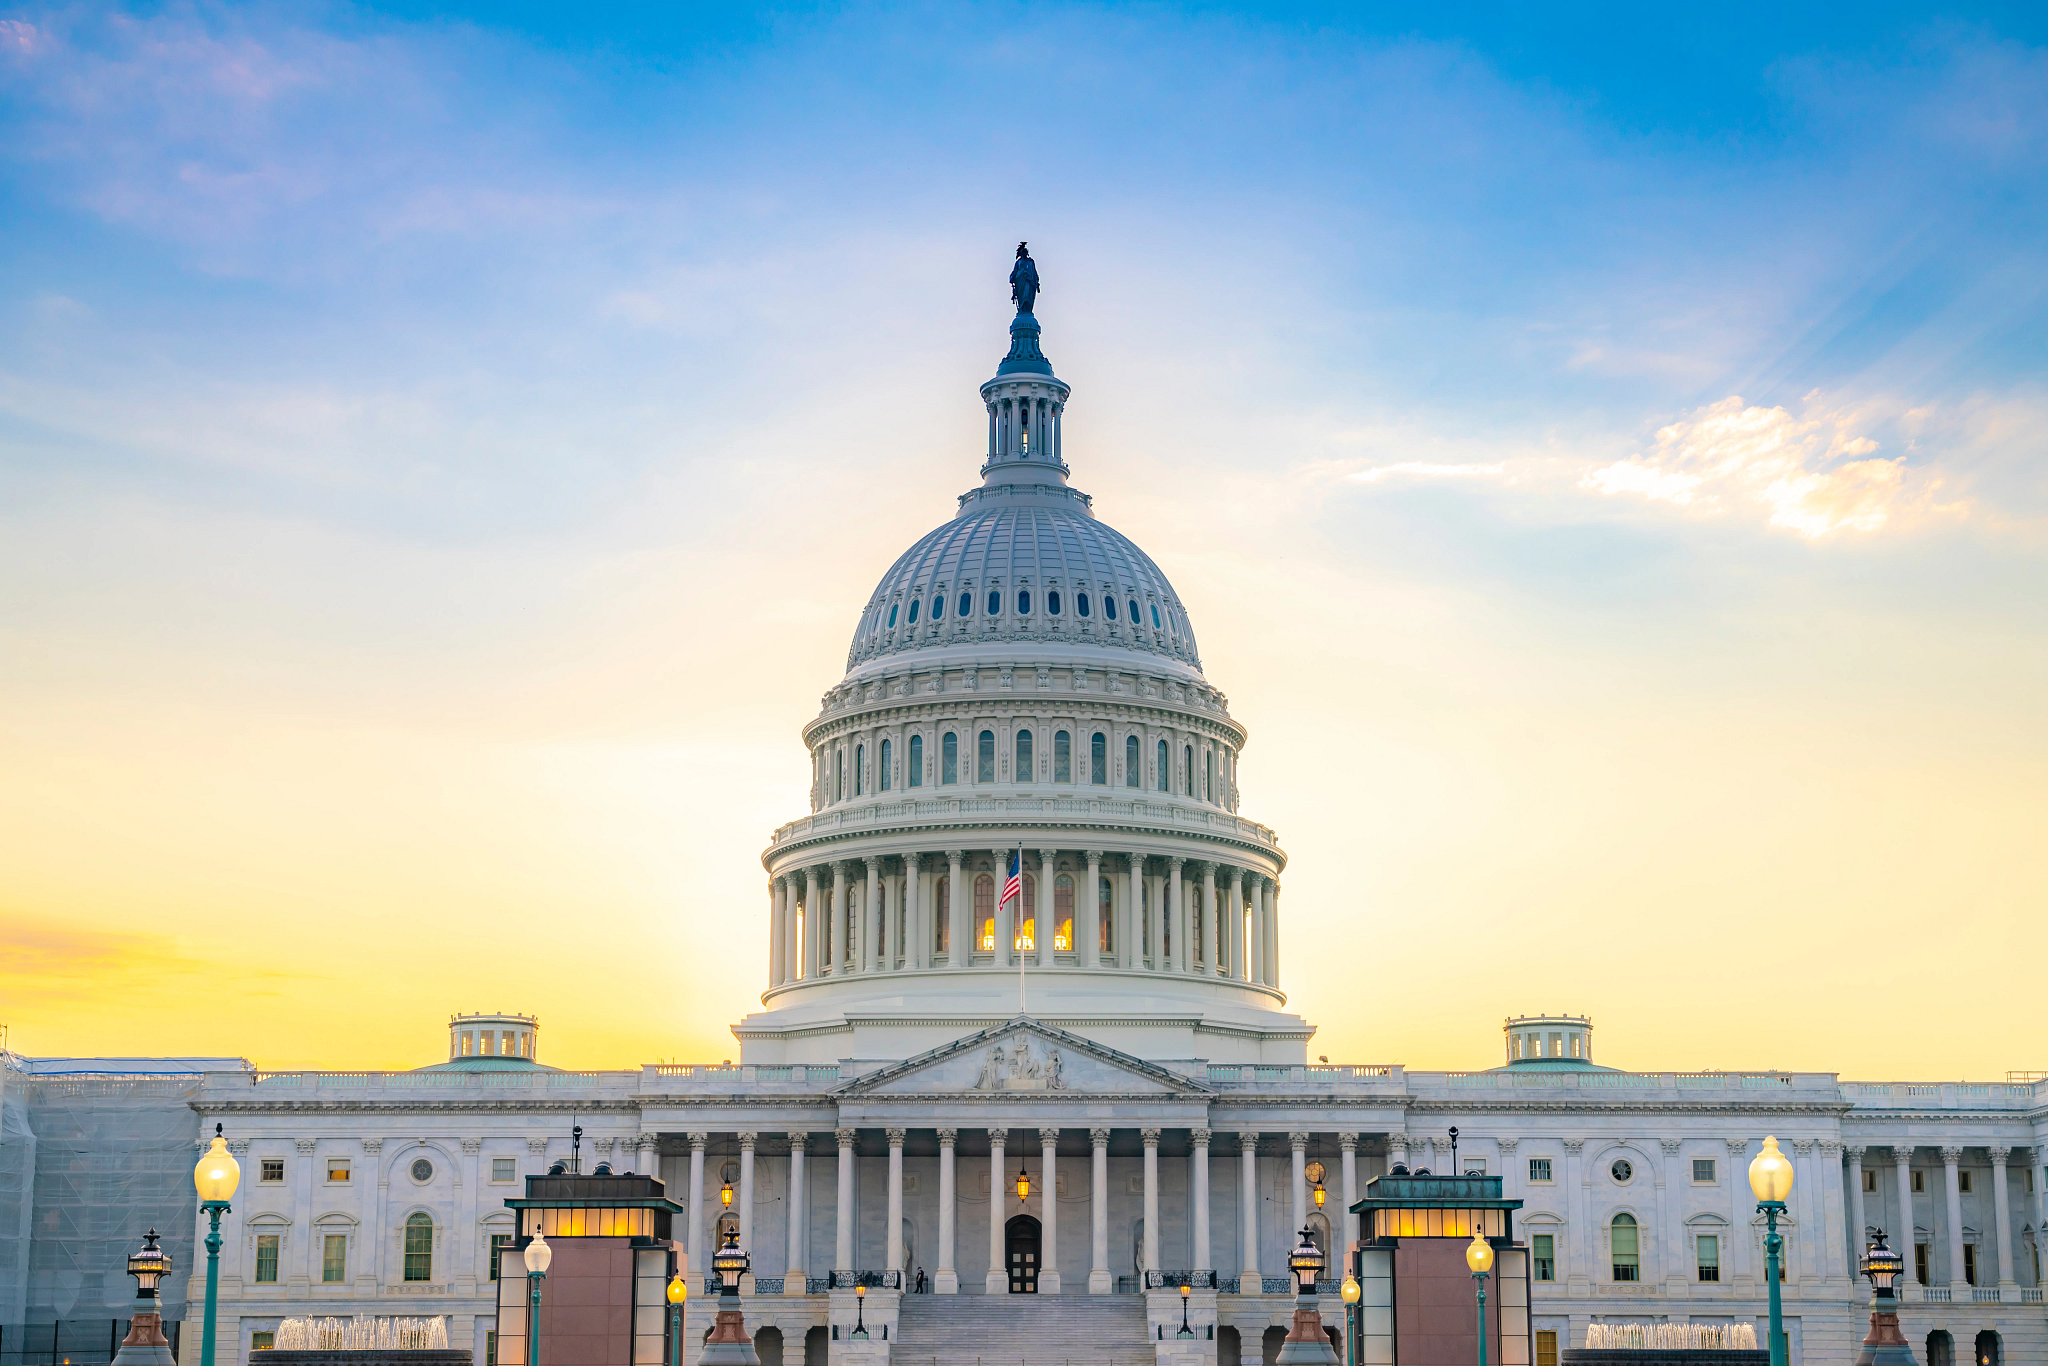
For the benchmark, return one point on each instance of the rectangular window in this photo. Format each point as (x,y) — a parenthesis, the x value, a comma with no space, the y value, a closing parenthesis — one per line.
(419,1248)
(1870,1180)
(942,914)
(1703,1171)
(1626,1247)
(1708,1247)
(272,1171)
(1546,1348)
(496,1243)
(1062,757)
(1475,1166)
(490,1347)
(1920,1262)
(1970,1263)
(1539,1169)
(334,1259)
(1919,1183)
(504,1169)
(1963,1182)
(262,1342)
(1543,1252)
(266,1258)
(949,758)
(337,1170)
(1104,916)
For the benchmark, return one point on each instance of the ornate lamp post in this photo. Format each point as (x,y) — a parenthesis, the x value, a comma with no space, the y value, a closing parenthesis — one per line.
(1770,1180)
(1308,1342)
(216,1177)
(729,1344)
(678,1296)
(1479,1258)
(860,1314)
(146,1344)
(1353,1293)
(1885,1345)
(1185,1330)
(539,1256)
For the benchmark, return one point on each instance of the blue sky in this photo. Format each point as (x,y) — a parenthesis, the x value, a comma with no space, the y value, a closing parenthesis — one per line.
(523,400)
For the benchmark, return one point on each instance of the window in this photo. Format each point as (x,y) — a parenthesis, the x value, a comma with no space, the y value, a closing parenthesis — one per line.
(1134,611)
(916,761)
(492,1246)
(1624,1248)
(490,1347)
(1052,603)
(860,769)
(1539,1169)
(1131,775)
(1969,1262)
(334,1259)
(838,774)
(1546,1348)
(888,756)
(1475,1166)
(915,603)
(1870,1180)
(419,1247)
(1209,776)
(1543,1251)
(1707,1256)
(273,1170)
(1165,767)
(1187,771)
(949,758)
(985,757)
(938,606)
(266,1258)
(1623,1171)
(262,1342)
(1023,756)
(985,912)
(995,603)
(1703,1171)
(337,1170)
(1919,1183)
(422,1170)
(1963,1182)
(1062,757)
(942,919)
(504,1169)
(1105,902)
(1024,924)
(1920,1262)
(1155,617)
(1081,603)
(1098,759)
(892,617)
(1063,913)
(1109,608)
(1023,602)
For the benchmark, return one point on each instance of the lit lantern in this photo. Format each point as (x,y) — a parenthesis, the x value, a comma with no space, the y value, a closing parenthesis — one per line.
(1023,1181)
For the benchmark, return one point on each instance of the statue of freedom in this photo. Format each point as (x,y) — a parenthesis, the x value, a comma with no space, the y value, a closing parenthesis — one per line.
(1024,279)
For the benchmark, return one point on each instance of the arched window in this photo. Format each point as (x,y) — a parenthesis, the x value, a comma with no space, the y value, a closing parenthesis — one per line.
(1625,1248)
(949,758)
(1105,905)
(1990,1349)
(1134,611)
(888,747)
(942,908)
(1941,1348)
(916,761)
(1024,920)
(1062,757)
(995,603)
(1063,913)
(419,1246)
(938,606)
(1155,618)
(1023,602)
(860,769)
(892,616)
(1132,778)
(838,775)
(1208,778)
(1109,606)
(915,603)
(1098,759)
(1165,769)
(985,912)
(966,604)
(1023,756)
(1187,770)
(985,757)
(1081,603)
(1052,603)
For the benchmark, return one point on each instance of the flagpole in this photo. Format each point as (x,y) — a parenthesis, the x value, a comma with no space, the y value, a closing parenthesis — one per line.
(1020,925)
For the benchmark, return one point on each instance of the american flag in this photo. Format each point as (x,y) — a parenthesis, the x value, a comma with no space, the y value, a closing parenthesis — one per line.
(1013,888)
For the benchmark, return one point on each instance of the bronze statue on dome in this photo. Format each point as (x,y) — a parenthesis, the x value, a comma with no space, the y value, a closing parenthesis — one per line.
(1024,279)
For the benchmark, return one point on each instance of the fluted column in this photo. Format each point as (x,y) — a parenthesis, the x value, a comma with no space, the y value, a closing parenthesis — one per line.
(776,887)
(1256,940)
(1205,1260)
(998,1279)
(1049,1213)
(871,918)
(1212,924)
(1176,898)
(799,1209)
(1100,1282)
(1091,924)
(1297,1143)
(1151,1139)
(1234,915)
(1953,1193)
(946,1280)
(696,1237)
(917,933)
(1004,957)
(959,933)
(1858,1239)
(1273,936)
(1902,1172)
(836,948)
(746,1198)
(842,1251)
(816,925)
(1347,1144)
(895,1231)
(1042,936)
(2001,1211)
(1248,1214)
(1132,922)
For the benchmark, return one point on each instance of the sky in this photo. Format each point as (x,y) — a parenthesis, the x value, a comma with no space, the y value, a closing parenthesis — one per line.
(1604,453)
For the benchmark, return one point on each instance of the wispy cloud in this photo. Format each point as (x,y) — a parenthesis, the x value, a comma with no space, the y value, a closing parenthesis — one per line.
(1422,469)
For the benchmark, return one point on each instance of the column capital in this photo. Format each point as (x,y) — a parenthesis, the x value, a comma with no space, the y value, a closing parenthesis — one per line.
(948,1137)
(1347,1142)
(874,863)
(1298,1140)
(1671,1146)
(1578,1145)
(956,855)
(472,1146)
(1830,1148)
(1199,1137)
(1950,1155)
(1736,1147)
(1175,861)
(1248,1140)
(1151,1137)
(747,1141)
(1508,1145)
(1802,1146)
(699,1141)
(1048,855)
(912,859)
(1855,1151)
(2000,1154)
(1092,855)
(895,1136)
(845,1136)
(539,1146)
(305,1146)
(647,1140)
(999,1138)
(372,1146)
(1098,1138)
(1048,1137)
(799,1141)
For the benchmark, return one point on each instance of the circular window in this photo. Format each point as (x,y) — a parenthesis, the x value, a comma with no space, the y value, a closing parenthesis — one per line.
(422,1170)
(1621,1171)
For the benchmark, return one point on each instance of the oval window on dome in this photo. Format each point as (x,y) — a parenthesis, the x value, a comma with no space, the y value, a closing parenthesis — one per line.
(892,616)
(966,604)
(1134,611)
(995,603)
(1081,604)
(938,605)
(1155,618)
(1052,603)
(1024,602)
(1109,608)
(915,603)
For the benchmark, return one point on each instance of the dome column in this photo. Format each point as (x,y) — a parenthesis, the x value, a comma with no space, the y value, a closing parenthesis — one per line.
(1131,924)
(871,919)
(1212,924)
(835,946)
(1091,929)
(775,889)
(814,925)
(1257,944)
(1042,933)
(1273,935)
(1238,879)
(1176,898)
(917,941)
(959,942)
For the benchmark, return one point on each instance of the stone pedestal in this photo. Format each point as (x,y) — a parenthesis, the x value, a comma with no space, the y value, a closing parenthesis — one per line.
(1307,1344)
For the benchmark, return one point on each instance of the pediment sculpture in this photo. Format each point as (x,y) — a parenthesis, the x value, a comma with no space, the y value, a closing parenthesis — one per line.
(1019,1068)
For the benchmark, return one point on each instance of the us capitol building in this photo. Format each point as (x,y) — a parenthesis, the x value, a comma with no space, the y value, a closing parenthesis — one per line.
(1024,683)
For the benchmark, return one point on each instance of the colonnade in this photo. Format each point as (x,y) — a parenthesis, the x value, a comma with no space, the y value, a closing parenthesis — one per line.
(911,911)
(1951,1201)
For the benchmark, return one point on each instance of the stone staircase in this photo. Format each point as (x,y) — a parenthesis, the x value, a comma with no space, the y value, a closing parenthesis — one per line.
(1021,1330)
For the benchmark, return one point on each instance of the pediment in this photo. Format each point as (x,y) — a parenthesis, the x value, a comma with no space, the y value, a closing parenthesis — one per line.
(1024,1057)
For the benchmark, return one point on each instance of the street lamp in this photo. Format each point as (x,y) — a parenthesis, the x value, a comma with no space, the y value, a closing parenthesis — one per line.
(1023,1181)
(1479,1257)
(539,1256)
(860,1314)
(216,1177)
(1352,1293)
(678,1296)
(1307,1344)
(1885,1345)
(146,1344)
(1185,1331)
(1770,1179)
(729,1344)
(1315,1172)
(1306,1262)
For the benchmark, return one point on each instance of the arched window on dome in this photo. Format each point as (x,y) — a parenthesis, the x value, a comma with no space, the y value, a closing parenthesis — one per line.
(966,604)
(1187,771)
(1165,769)
(942,913)
(1081,604)
(1135,619)
(1098,759)
(1062,757)
(1155,618)
(1105,916)
(1208,774)
(1109,606)
(995,603)
(938,606)
(916,762)
(892,617)
(1133,777)
(949,759)
(882,778)
(1023,602)
(1024,773)
(838,775)
(860,769)
(1052,603)
(915,603)
(1063,914)
(985,913)
(985,757)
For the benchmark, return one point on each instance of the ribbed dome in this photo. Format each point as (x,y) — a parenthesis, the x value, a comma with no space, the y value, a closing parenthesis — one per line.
(1057,577)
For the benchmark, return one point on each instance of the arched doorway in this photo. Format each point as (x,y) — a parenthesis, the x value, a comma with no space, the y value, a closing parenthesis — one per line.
(1941,1348)
(1990,1351)
(1021,1248)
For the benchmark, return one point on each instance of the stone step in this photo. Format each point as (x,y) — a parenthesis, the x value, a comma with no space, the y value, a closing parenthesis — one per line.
(1019,1330)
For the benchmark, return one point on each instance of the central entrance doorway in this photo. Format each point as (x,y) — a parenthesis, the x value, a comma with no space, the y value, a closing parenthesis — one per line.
(1021,1245)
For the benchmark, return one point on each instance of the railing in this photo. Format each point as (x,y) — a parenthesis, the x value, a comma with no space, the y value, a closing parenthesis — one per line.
(873,1280)
(768,1285)
(1983,1294)
(2030,1294)
(1276,1285)
(817,1285)
(1173,1280)
(1935,1294)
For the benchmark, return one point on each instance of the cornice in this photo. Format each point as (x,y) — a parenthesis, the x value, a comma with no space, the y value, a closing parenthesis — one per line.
(778,854)
(416,1106)
(1610,1107)
(963,703)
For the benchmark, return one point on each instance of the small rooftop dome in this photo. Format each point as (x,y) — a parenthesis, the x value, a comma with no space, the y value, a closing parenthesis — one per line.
(492,1042)
(1551,1043)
